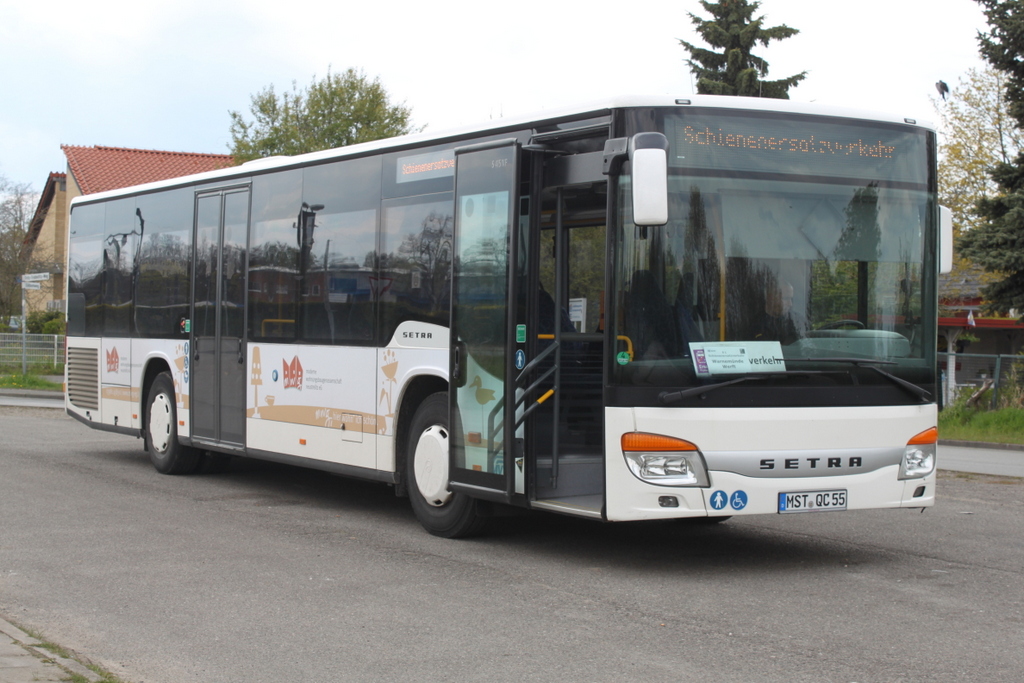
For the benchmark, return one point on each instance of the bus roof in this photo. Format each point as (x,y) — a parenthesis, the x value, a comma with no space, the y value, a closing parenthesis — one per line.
(594,108)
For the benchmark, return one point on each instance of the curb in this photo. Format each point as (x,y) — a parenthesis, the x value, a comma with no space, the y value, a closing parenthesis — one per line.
(982,444)
(32,393)
(33,647)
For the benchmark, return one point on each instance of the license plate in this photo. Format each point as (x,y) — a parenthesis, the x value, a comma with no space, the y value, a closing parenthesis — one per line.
(812,501)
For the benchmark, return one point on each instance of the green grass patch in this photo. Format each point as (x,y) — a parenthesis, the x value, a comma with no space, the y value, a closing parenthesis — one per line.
(19,381)
(960,423)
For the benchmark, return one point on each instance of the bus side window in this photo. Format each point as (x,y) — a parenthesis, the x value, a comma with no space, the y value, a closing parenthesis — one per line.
(274,256)
(415,261)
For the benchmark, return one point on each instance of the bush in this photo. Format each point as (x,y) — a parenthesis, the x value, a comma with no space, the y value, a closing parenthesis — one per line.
(38,320)
(54,326)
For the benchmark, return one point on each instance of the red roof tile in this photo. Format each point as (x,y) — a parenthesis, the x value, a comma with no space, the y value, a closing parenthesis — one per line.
(98,169)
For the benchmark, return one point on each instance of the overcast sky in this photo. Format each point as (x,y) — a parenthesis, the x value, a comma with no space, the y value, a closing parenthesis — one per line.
(164,75)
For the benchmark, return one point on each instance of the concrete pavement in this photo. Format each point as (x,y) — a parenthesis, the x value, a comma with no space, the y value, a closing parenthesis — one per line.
(22,659)
(980,458)
(31,398)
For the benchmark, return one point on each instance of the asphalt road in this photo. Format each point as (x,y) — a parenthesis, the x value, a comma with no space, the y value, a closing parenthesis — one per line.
(271,573)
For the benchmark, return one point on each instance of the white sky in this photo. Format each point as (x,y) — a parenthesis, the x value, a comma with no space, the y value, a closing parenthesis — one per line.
(164,75)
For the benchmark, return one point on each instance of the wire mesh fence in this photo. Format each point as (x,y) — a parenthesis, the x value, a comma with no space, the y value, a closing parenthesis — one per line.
(1001,378)
(31,350)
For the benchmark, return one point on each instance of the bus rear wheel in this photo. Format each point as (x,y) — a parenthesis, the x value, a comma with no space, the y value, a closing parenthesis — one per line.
(440,511)
(161,431)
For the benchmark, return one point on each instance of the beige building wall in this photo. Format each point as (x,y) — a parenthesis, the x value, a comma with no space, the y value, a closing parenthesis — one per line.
(49,254)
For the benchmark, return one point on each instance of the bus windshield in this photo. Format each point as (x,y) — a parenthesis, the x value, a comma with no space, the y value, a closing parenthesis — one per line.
(798,252)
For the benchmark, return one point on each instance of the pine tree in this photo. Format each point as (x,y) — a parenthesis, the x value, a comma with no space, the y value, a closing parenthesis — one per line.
(997,242)
(734,70)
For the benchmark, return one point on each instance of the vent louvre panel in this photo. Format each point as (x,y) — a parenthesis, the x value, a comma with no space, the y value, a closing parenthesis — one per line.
(84,377)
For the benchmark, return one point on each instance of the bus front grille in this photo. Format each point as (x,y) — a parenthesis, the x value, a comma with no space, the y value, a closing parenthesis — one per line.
(84,377)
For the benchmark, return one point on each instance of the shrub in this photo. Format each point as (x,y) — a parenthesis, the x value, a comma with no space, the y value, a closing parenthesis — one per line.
(38,320)
(54,326)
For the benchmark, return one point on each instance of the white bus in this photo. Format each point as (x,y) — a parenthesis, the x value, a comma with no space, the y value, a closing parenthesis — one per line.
(645,308)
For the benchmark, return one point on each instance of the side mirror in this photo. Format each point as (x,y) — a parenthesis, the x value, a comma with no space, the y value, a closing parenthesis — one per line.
(945,240)
(648,159)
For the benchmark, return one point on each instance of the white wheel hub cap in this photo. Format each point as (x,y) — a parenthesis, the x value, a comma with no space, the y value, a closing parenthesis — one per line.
(430,465)
(160,422)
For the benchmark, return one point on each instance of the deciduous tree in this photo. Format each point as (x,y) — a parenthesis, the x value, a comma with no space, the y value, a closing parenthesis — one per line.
(340,109)
(733,69)
(976,133)
(17,202)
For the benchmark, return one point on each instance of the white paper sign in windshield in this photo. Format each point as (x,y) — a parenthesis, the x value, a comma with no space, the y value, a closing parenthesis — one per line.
(736,358)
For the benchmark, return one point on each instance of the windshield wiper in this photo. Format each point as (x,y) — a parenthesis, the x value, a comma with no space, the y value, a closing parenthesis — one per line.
(673,396)
(870,364)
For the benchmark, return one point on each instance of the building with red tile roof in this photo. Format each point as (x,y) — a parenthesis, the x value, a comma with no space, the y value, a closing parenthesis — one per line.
(98,169)
(91,170)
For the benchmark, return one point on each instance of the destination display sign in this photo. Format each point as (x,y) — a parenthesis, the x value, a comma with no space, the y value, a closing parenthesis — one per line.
(426,166)
(801,146)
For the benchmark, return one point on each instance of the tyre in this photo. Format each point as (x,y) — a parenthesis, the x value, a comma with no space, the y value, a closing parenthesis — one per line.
(161,431)
(441,512)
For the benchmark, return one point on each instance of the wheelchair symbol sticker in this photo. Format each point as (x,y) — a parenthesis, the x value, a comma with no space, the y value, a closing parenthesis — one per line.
(738,500)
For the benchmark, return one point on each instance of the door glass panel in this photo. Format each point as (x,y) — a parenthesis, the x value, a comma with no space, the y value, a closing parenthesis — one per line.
(204,320)
(484,203)
(232,318)
(236,219)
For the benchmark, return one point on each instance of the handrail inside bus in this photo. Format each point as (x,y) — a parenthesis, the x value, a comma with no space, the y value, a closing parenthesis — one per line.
(629,345)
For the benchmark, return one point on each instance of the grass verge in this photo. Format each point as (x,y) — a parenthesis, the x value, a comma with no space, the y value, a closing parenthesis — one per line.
(959,423)
(19,381)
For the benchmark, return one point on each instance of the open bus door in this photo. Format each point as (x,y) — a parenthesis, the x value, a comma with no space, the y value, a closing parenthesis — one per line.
(526,409)
(482,317)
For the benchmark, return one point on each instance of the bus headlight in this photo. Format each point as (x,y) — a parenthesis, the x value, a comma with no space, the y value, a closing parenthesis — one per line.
(919,456)
(664,460)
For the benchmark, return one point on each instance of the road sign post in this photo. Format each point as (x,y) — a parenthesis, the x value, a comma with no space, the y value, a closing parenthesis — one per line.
(28,281)
(24,337)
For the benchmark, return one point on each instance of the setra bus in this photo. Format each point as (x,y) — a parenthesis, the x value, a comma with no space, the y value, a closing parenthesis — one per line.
(645,308)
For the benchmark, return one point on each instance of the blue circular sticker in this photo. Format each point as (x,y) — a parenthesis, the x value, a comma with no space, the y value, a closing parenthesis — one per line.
(520,359)
(738,500)
(719,499)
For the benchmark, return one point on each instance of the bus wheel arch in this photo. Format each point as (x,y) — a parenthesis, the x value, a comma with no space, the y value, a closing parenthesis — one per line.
(415,393)
(160,429)
(440,511)
(153,369)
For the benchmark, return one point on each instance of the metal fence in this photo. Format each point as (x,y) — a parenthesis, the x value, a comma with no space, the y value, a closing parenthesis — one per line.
(17,350)
(972,371)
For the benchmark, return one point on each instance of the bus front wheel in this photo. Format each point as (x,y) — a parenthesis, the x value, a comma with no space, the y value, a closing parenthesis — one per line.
(440,511)
(161,432)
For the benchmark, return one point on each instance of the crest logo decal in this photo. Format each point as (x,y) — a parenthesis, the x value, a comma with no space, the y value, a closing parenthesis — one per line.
(292,373)
(113,360)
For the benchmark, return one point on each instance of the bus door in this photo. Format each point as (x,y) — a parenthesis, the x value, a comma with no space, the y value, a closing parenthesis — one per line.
(563,394)
(527,340)
(484,246)
(218,318)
